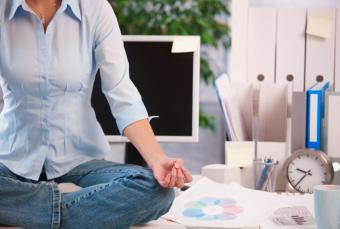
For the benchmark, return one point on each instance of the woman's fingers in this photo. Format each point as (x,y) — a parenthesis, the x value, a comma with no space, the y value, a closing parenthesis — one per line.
(180,178)
(165,182)
(173,178)
(177,176)
(187,176)
(179,163)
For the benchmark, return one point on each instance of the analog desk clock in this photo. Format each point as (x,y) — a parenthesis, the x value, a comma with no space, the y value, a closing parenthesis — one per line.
(307,168)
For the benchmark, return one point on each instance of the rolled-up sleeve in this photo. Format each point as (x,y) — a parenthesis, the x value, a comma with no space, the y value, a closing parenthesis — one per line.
(123,97)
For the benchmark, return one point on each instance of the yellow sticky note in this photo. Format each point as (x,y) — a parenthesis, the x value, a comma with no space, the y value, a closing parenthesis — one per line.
(239,154)
(319,25)
(183,44)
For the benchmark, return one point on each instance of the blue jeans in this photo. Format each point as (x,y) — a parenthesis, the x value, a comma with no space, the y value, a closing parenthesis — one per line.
(113,196)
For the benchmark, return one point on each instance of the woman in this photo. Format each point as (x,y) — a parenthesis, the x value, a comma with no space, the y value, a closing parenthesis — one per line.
(52,171)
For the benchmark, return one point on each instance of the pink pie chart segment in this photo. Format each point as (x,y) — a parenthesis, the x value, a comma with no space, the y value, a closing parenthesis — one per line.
(233,209)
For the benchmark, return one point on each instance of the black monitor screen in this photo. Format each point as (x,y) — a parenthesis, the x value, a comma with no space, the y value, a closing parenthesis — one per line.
(165,82)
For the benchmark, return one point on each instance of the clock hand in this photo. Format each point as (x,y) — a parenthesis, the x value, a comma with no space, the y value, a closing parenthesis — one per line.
(303,177)
(300,170)
(309,173)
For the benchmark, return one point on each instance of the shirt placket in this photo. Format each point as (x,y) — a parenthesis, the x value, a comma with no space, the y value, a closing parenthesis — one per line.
(44,86)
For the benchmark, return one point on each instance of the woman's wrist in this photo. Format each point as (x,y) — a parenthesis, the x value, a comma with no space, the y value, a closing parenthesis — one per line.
(156,158)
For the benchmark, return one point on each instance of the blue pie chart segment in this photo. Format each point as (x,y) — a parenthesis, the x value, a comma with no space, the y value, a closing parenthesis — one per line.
(193,213)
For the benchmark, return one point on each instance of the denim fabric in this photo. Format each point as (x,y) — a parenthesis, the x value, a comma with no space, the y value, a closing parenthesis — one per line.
(114,196)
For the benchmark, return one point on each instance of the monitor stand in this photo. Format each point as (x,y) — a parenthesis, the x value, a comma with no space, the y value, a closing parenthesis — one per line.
(132,156)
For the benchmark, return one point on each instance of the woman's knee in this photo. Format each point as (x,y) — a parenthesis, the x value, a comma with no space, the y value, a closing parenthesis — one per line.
(159,202)
(168,196)
(157,192)
(161,199)
(157,199)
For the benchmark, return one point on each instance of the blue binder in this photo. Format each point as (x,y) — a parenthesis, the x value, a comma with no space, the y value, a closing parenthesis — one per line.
(315,114)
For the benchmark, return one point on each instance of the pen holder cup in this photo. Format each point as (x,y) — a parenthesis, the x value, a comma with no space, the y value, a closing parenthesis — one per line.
(265,175)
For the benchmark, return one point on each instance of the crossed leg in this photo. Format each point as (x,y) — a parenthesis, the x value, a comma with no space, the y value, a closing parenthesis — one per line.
(112,196)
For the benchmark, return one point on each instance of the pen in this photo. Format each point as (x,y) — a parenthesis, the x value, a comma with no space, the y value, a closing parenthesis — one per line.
(264,175)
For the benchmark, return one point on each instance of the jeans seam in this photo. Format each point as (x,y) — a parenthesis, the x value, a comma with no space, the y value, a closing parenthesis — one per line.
(56,206)
(106,171)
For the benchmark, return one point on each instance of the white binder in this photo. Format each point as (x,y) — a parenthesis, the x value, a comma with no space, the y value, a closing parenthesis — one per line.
(290,54)
(298,129)
(273,112)
(238,52)
(337,52)
(332,121)
(261,44)
(320,51)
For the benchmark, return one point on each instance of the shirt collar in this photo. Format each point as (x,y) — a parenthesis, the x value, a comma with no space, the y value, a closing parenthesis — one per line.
(73,4)
(14,7)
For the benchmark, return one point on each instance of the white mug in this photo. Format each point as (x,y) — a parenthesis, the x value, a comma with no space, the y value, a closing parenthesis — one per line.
(327,206)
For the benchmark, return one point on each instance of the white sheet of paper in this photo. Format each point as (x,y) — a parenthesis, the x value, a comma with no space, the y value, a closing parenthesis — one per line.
(160,224)
(212,204)
(183,44)
(319,25)
(239,154)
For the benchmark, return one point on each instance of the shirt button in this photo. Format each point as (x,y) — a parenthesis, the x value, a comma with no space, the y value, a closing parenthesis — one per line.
(45,120)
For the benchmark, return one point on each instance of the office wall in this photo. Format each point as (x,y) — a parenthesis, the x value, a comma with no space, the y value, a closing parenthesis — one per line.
(295,3)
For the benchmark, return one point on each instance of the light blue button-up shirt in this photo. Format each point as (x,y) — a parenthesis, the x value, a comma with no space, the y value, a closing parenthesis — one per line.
(47,80)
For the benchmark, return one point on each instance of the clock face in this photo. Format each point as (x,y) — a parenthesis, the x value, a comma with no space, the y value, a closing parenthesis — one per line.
(306,171)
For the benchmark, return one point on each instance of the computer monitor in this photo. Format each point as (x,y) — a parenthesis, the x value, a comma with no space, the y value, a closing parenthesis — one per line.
(168,83)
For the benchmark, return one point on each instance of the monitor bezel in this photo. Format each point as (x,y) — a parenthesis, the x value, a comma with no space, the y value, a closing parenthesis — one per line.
(196,80)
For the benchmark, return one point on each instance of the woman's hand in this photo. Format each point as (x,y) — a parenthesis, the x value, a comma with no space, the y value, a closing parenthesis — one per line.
(170,172)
